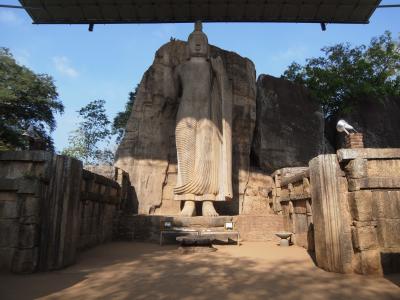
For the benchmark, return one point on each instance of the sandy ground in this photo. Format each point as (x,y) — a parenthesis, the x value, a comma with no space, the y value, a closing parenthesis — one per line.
(147,271)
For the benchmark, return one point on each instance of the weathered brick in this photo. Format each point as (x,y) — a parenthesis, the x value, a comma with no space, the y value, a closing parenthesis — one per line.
(28,236)
(25,260)
(357,168)
(389,233)
(360,204)
(8,195)
(300,207)
(30,206)
(368,262)
(9,230)
(364,238)
(386,204)
(6,255)
(383,167)
(8,209)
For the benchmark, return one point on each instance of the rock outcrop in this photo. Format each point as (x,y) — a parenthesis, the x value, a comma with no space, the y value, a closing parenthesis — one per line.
(148,151)
(377,119)
(289,127)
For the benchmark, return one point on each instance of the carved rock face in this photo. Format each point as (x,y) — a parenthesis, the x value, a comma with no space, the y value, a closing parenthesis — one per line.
(203,128)
(148,150)
(198,45)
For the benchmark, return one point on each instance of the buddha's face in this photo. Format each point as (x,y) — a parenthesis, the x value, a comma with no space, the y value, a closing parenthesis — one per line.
(198,46)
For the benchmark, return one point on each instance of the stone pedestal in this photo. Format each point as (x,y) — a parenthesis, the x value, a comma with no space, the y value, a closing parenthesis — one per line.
(354,140)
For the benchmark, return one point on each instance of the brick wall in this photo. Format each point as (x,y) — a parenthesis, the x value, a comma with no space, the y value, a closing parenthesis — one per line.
(259,228)
(291,198)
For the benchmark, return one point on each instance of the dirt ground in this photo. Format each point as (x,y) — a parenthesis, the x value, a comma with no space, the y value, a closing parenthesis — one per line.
(147,271)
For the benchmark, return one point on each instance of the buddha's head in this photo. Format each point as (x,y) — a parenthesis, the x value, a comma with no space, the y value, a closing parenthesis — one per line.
(198,42)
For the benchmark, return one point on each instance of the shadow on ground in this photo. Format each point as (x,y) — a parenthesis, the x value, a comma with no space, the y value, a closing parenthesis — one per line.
(148,271)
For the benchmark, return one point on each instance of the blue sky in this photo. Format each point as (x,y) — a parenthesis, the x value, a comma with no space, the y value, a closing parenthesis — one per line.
(110,61)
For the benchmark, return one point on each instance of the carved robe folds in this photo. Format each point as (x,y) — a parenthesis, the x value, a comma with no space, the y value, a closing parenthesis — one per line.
(203,133)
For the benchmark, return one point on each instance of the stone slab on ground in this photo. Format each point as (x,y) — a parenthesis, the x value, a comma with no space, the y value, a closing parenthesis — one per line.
(250,227)
(200,221)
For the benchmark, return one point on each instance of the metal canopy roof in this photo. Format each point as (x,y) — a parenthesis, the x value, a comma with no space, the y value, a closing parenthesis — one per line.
(175,11)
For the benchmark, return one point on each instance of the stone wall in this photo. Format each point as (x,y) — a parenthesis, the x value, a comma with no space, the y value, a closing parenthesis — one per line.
(21,176)
(345,207)
(99,202)
(255,198)
(258,228)
(356,210)
(50,208)
(291,198)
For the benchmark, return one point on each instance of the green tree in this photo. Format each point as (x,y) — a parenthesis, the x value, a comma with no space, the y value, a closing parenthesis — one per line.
(346,76)
(26,100)
(121,119)
(88,143)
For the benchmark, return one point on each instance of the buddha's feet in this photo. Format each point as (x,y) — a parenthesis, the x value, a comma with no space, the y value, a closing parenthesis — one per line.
(189,209)
(208,209)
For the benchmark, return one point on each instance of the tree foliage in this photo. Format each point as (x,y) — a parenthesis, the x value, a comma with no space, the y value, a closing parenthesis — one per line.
(345,75)
(88,142)
(26,99)
(121,119)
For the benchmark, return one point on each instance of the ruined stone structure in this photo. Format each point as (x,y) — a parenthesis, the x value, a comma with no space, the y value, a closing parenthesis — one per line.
(291,197)
(357,218)
(343,206)
(51,208)
(346,206)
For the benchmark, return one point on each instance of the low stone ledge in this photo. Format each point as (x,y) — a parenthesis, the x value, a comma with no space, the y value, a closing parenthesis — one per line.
(7,184)
(295,178)
(31,156)
(368,153)
(87,175)
(295,198)
(20,185)
(97,197)
(374,183)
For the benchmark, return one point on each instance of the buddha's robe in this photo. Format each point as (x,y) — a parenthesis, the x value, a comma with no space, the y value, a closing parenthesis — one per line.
(203,133)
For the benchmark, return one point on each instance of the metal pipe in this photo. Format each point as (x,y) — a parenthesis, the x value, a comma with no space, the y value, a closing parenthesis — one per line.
(17,6)
(389,6)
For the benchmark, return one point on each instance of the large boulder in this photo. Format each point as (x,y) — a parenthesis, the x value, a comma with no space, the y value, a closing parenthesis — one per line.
(148,151)
(289,127)
(377,119)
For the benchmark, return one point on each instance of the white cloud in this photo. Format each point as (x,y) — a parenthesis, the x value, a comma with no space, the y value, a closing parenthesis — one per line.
(7,16)
(291,54)
(63,66)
